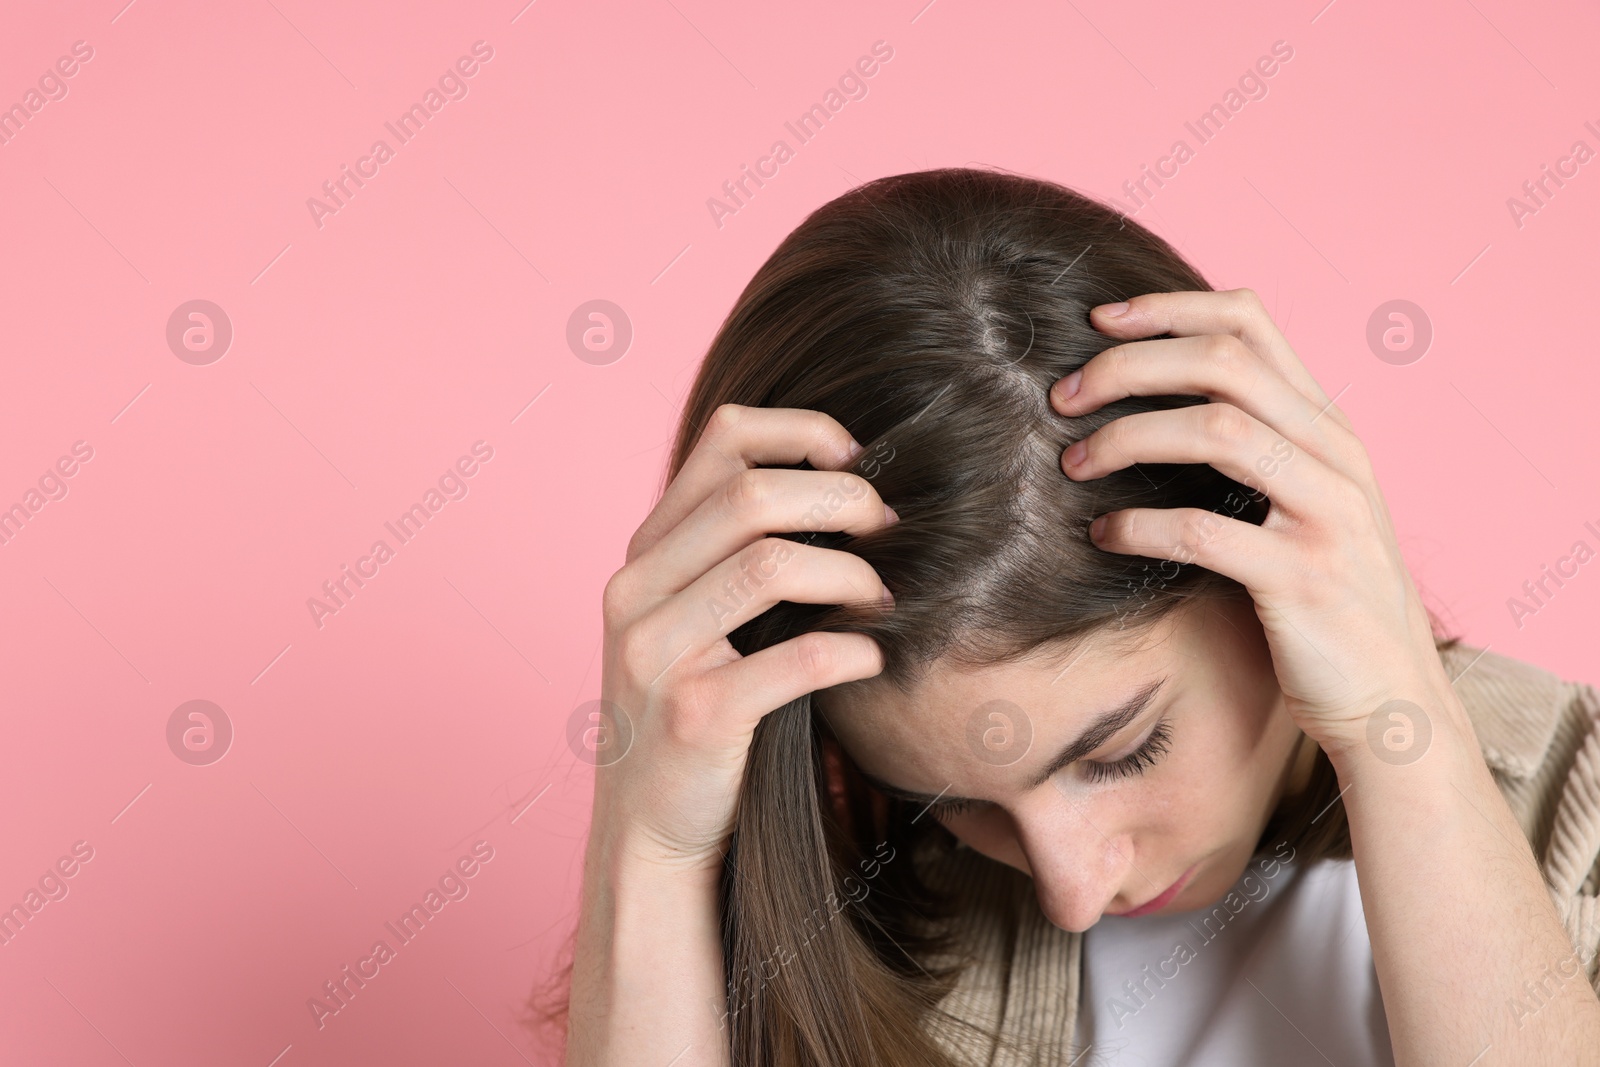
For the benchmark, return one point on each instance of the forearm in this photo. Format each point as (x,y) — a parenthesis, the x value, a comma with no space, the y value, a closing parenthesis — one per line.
(647,971)
(1472,961)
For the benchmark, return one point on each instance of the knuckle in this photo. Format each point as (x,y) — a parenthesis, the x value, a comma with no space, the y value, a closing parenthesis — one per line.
(765,556)
(1354,455)
(1195,529)
(643,539)
(746,492)
(633,649)
(1248,301)
(1226,422)
(617,595)
(683,716)
(1109,370)
(1226,352)
(628,650)
(815,654)
(1361,463)
(723,420)
(1113,435)
(1351,497)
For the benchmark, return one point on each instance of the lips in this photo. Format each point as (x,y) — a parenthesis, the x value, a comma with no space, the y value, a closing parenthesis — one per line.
(1159,901)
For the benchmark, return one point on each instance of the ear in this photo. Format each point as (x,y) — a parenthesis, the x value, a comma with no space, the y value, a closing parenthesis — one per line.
(849,793)
(833,760)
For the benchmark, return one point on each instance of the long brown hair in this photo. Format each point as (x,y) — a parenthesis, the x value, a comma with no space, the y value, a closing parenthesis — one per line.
(930,313)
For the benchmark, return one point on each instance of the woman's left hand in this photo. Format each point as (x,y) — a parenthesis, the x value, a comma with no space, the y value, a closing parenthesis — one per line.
(1346,628)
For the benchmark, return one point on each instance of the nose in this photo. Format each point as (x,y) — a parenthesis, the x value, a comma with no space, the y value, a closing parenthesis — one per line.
(1078,867)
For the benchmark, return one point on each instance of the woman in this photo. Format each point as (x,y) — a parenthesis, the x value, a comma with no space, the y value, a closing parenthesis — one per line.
(838,826)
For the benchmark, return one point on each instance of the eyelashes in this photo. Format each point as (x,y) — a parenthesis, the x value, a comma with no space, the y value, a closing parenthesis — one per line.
(1140,760)
(1136,762)
(946,808)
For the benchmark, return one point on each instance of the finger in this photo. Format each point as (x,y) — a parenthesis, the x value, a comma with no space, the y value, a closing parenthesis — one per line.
(1228,438)
(768,679)
(1232,311)
(752,504)
(747,584)
(1217,365)
(737,438)
(1251,555)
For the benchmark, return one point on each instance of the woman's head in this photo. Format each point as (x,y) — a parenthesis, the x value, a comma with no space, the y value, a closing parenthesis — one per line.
(930,313)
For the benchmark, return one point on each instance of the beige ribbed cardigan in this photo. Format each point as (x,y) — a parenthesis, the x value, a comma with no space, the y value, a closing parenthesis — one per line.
(1539,735)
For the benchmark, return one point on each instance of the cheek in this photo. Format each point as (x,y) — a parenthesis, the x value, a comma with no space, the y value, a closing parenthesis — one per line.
(1246,744)
(1243,760)
(1220,766)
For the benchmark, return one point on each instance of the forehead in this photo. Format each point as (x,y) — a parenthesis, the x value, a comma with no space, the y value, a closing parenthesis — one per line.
(937,733)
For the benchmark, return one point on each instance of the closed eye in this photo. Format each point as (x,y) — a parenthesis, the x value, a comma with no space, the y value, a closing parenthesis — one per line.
(1137,762)
(945,809)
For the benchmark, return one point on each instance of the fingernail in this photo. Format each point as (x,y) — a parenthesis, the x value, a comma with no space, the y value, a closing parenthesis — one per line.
(889,516)
(1111,311)
(1097,528)
(856,448)
(1069,386)
(888,598)
(1075,455)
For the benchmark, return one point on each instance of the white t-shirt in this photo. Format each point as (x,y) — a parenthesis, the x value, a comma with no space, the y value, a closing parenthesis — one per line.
(1279,971)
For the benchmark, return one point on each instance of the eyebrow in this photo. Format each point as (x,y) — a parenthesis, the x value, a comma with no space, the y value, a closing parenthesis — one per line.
(1098,732)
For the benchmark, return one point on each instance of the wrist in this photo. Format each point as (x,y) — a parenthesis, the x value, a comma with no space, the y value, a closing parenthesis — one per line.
(632,855)
(647,965)
(1419,724)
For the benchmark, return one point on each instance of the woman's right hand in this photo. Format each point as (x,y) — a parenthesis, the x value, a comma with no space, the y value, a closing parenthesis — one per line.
(699,566)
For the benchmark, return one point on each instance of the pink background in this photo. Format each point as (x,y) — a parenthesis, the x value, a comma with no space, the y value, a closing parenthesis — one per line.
(431,311)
